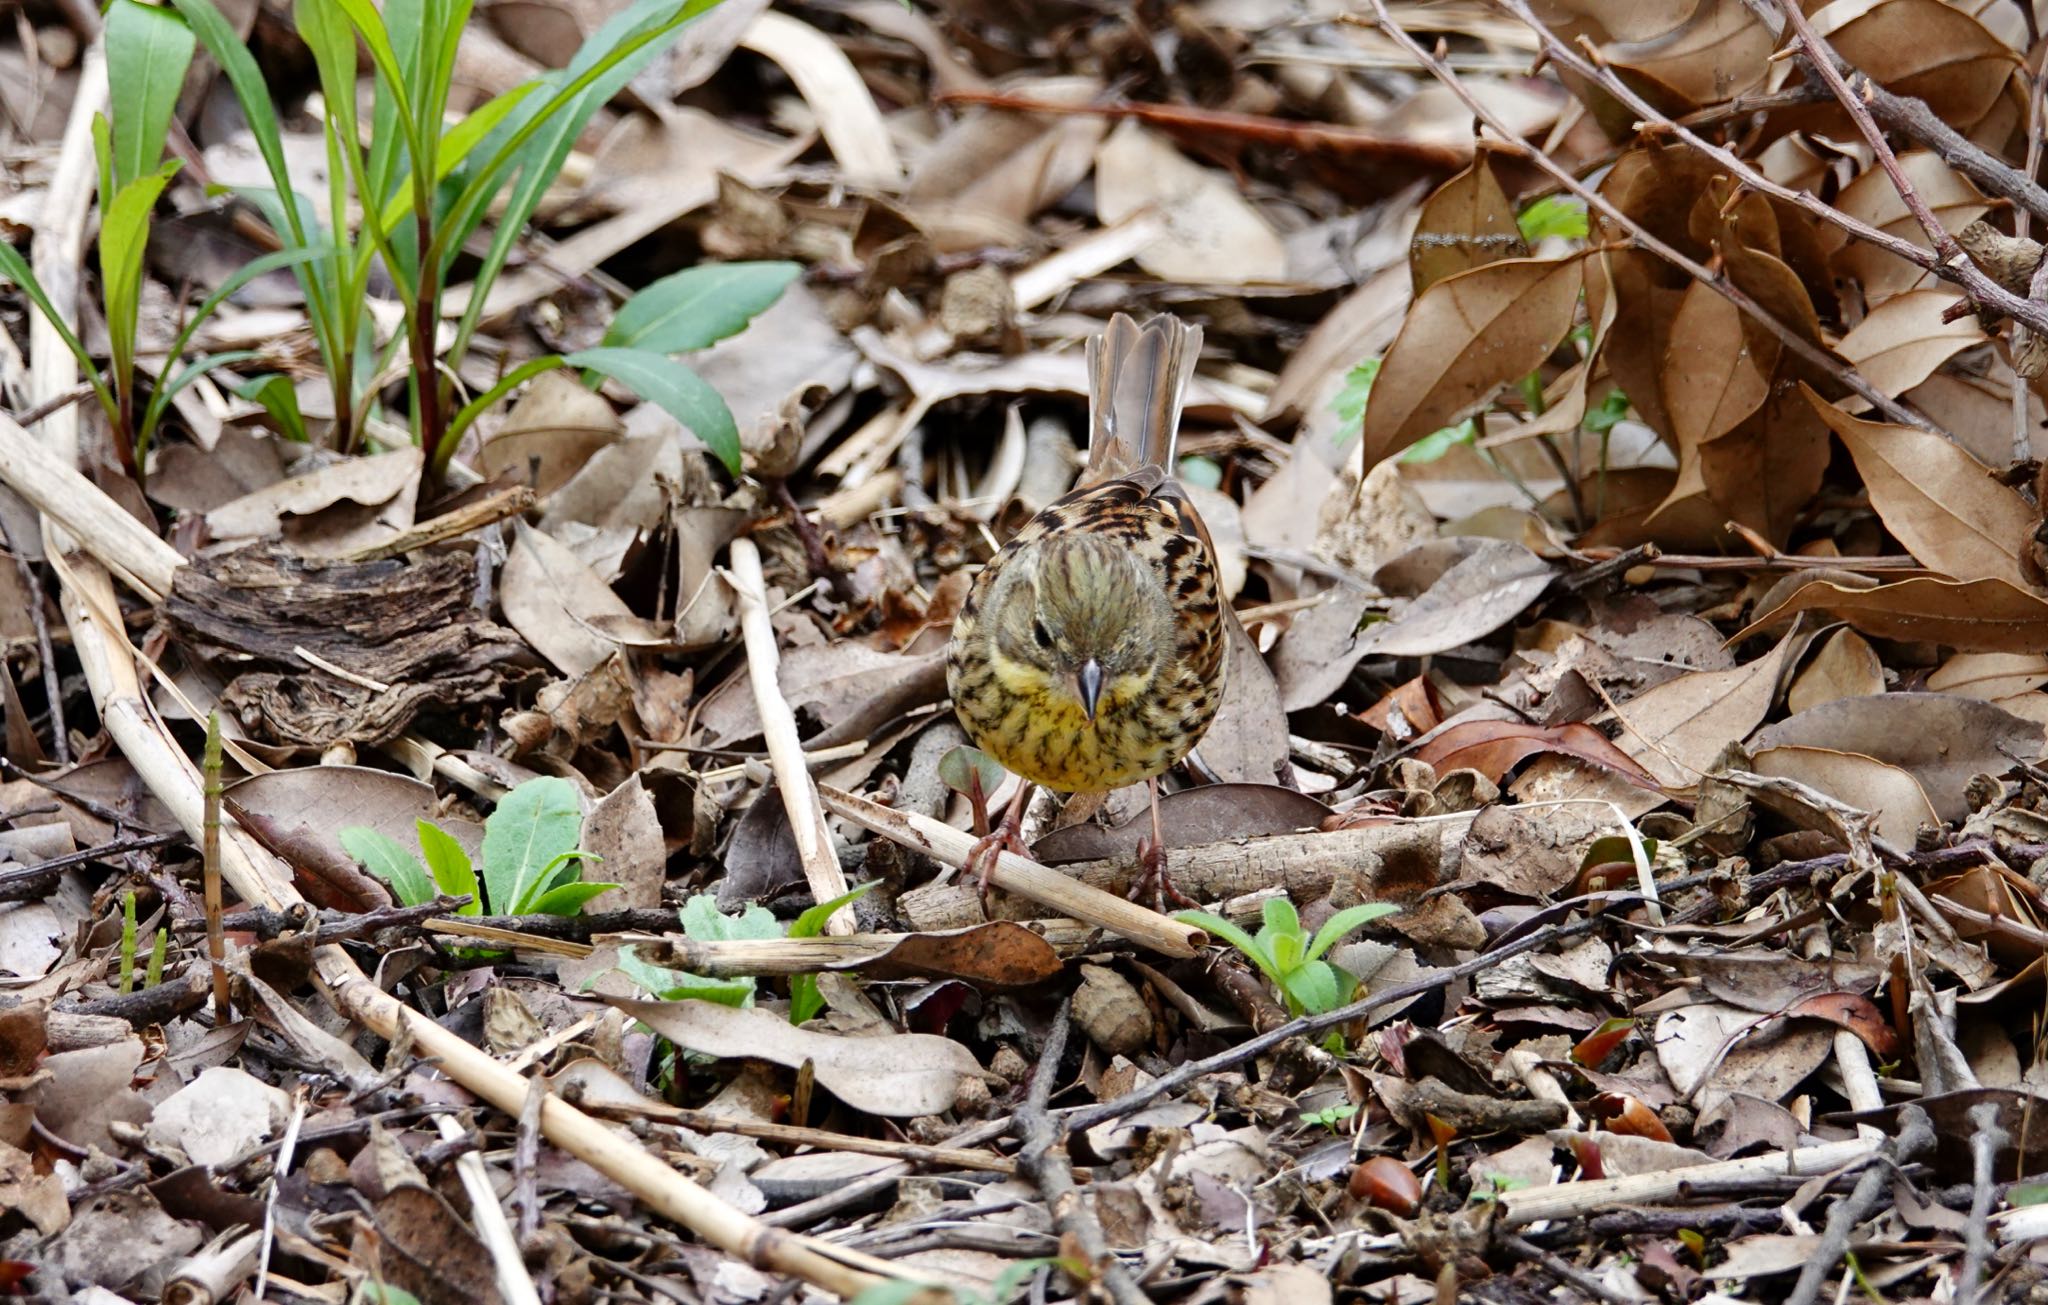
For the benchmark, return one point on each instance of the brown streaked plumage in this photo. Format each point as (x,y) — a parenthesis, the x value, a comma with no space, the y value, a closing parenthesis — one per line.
(1091,652)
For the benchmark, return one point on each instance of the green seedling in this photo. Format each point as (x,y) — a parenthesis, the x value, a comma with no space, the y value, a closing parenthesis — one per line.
(1291,960)
(531,862)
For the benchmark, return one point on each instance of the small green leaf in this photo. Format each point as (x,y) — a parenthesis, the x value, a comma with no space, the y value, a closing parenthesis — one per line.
(675,985)
(701,919)
(565,899)
(962,767)
(698,306)
(1350,402)
(534,824)
(1201,471)
(1344,921)
(675,389)
(1439,442)
(387,859)
(124,237)
(1280,916)
(1314,988)
(1236,937)
(274,391)
(1553,215)
(2027,1194)
(450,867)
(1608,415)
(812,922)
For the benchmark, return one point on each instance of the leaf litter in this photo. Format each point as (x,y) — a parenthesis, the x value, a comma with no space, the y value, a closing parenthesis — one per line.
(1631,506)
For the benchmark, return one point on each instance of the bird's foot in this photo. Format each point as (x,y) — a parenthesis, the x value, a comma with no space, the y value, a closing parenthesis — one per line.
(1153,879)
(981,858)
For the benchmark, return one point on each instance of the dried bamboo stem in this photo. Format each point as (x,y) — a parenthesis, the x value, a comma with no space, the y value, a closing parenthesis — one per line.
(785,745)
(1025,878)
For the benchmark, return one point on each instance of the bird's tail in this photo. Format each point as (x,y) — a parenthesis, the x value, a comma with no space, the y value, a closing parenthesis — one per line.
(1137,376)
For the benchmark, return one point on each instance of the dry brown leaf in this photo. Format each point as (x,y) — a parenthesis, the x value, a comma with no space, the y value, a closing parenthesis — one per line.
(1467,222)
(1942,503)
(554,601)
(1872,198)
(898,1075)
(1989,676)
(1977,410)
(1464,338)
(1924,49)
(1941,739)
(1679,728)
(1712,379)
(551,432)
(1011,165)
(1213,234)
(386,479)
(1904,339)
(1845,666)
(1482,591)
(847,117)
(1968,615)
(1717,53)
(1892,796)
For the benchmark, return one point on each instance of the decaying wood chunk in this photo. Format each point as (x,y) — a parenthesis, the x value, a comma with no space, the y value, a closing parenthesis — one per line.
(329,652)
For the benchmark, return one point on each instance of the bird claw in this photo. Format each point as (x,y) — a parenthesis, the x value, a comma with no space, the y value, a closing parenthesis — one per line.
(982,857)
(1152,876)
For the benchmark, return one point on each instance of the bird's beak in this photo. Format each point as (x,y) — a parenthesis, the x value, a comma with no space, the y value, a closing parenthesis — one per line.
(1089,681)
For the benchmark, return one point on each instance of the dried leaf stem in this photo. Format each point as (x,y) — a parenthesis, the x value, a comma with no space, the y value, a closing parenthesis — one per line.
(209,847)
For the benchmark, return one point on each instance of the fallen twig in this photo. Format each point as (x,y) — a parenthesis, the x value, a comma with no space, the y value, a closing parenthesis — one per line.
(1015,874)
(785,746)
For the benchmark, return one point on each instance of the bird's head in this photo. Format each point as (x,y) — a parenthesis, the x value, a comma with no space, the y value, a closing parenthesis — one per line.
(1086,616)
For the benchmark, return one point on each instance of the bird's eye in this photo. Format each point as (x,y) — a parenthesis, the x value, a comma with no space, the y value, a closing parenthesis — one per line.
(1040,633)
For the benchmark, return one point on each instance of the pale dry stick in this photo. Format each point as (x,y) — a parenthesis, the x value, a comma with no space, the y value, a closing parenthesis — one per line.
(217,1271)
(1915,1139)
(1019,875)
(1529,1205)
(1979,287)
(785,746)
(515,1284)
(286,1148)
(1805,349)
(501,506)
(1987,1138)
(705,1121)
(1091,255)
(2022,434)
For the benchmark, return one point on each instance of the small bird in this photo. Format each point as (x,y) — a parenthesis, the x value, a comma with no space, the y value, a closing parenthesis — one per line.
(1090,653)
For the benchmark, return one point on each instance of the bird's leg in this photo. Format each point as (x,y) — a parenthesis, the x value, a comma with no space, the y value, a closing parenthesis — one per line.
(1006,837)
(1152,863)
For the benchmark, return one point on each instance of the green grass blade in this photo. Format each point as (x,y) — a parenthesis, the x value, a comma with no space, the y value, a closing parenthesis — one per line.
(148,51)
(15,269)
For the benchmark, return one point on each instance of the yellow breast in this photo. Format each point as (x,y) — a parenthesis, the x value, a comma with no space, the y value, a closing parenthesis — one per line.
(1036,728)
